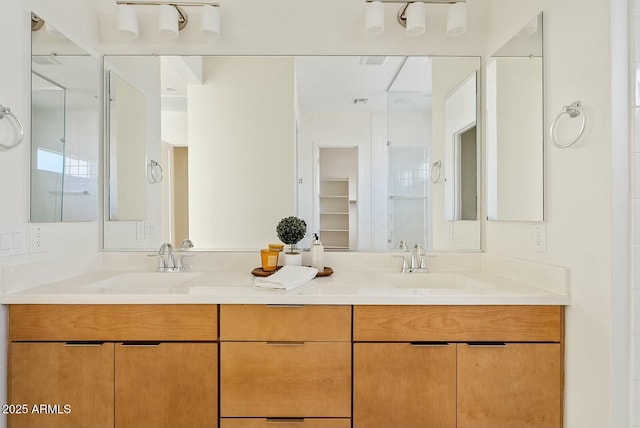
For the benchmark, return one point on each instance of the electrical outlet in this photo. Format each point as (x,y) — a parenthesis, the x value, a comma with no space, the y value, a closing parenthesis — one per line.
(37,239)
(540,238)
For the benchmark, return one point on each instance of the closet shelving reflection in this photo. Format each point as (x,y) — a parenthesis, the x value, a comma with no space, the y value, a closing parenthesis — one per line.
(334,212)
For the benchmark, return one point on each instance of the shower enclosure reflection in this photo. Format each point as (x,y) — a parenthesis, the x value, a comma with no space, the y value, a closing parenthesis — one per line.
(64,130)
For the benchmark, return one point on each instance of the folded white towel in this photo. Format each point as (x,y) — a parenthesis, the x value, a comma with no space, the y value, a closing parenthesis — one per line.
(288,277)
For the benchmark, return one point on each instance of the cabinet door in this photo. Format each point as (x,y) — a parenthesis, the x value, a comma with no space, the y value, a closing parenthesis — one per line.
(70,385)
(404,385)
(512,385)
(166,385)
(285,379)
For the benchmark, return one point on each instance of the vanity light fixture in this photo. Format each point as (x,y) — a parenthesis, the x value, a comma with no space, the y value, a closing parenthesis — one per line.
(412,16)
(374,17)
(210,20)
(171,18)
(415,18)
(457,19)
(127,20)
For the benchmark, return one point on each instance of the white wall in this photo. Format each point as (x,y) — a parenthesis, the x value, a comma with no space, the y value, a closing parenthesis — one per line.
(514,86)
(143,74)
(245,105)
(578,198)
(447,235)
(635,237)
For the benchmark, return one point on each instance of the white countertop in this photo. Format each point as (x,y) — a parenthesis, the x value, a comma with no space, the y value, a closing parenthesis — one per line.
(106,286)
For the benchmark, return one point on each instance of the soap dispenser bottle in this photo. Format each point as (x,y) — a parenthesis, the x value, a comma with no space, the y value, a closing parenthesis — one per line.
(317,254)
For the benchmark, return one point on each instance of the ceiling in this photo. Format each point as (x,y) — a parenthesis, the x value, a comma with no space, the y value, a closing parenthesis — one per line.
(329,83)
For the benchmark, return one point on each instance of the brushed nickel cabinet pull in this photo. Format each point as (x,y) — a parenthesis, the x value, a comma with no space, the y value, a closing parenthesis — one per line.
(141,344)
(285,420)
(84,344)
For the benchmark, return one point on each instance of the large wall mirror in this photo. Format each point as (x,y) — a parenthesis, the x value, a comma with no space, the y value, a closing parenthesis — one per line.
(64,128)
(515,128)
(345,142)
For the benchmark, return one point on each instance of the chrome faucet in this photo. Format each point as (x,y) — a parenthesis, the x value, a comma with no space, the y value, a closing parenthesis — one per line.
(418,258)
(167,260)
(414,261)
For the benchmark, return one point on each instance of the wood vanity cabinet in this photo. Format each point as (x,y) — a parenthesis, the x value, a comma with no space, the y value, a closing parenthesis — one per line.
(166,384)
(114,365)
(464,366)
(76,378)
(404,385)
(511,384)
(285,364)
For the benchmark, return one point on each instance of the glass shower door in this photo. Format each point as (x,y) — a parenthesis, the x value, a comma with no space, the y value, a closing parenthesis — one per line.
(407,196)
(408,149)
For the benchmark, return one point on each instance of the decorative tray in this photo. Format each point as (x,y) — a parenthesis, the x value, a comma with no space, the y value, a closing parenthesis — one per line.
(260,272)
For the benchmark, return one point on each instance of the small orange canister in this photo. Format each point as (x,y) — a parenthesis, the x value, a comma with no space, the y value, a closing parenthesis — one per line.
(269,259)
(278,248)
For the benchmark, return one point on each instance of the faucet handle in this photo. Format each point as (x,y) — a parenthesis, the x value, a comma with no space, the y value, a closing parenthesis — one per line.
(186,244)
(420,254)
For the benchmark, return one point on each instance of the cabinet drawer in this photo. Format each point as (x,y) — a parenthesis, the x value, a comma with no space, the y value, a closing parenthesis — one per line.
(282,322)
(458,323)
(284,422)
(113,322)
(279,380)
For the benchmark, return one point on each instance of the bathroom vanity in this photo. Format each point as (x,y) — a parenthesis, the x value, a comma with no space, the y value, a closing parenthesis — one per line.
(316,365)
(342,351)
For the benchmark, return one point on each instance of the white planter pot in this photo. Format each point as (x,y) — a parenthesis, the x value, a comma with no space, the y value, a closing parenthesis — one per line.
(294,259)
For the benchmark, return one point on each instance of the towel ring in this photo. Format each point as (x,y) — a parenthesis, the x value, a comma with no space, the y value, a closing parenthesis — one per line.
(155,174)
(6,111)
(438,165)
(573,110)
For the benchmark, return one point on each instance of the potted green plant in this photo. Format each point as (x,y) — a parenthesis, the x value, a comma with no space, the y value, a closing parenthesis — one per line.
(290,231)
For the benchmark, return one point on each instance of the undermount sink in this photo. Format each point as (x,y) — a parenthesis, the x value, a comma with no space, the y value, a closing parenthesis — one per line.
(143,282)
(430,280)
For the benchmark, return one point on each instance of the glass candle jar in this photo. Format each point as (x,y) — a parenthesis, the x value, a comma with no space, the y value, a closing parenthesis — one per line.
(269,259)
